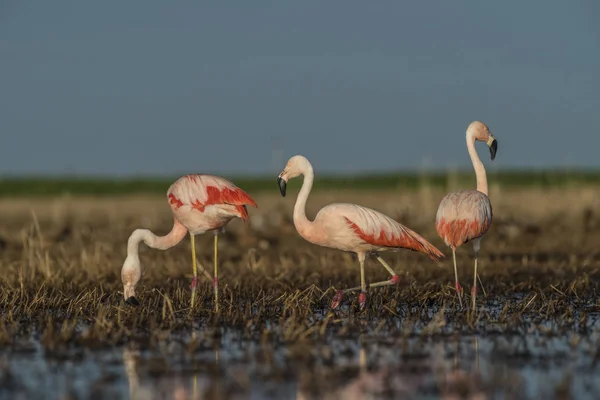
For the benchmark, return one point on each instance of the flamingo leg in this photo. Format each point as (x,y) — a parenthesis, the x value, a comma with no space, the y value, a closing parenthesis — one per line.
(474,294)
(204,271)
(362,297)
(481,285)
(382,261)
(458,287)
(476,247)
(194,269)
(392,281)
(216,278)
(372,285)
(354,289)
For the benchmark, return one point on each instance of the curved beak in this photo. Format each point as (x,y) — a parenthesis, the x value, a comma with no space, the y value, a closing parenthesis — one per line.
(282,185)
(129,295)
(132,301)
(493,145)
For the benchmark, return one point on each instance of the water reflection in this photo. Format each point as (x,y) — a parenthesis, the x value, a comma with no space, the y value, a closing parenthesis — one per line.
(366,385)
(165,387)
(177,385)
(231,367)
(463,383)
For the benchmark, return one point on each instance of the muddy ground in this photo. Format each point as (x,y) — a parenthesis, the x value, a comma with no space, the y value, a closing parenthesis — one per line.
(66,333)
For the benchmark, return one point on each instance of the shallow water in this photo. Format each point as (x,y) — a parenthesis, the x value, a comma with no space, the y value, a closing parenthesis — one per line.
(372,364)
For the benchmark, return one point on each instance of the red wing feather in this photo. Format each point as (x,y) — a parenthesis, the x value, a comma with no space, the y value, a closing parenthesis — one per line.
(463,216)
(457,232)
(406,240)
(175,201)
(236,197)
(190,189)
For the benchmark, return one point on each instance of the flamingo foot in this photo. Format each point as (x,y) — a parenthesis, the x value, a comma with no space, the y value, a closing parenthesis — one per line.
(194,282)
(362,299)
(395,279)
(215,282)
(337,299)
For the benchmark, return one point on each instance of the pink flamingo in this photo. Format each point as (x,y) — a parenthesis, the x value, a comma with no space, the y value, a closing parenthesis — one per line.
(200,203)
(351,228)
(466,215)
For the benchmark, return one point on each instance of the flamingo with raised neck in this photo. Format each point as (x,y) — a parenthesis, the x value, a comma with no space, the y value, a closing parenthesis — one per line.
(351,228)
(465,216)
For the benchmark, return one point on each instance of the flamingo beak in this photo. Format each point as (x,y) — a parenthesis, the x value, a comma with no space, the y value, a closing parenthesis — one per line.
(493,145)
(129,295)
(282,185)
(132,301)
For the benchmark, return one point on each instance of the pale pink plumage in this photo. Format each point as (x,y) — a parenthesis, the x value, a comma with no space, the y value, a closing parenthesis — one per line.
(465,216)
(358,229)
(207,202)
(199,203)
(350,227)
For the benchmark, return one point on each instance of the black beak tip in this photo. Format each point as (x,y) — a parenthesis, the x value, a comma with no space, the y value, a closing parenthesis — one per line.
(493,149)
(132,301)
(282,185)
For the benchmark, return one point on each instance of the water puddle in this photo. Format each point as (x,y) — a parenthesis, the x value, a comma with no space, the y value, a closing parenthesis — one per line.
(190,366)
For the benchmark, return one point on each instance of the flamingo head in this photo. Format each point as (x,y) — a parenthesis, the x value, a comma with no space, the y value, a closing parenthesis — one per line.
(479,131)
(130,275)
(295,166)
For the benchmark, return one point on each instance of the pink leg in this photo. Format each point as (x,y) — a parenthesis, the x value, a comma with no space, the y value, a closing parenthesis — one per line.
(363,286)
(392,281)
(194,282)
(337,299)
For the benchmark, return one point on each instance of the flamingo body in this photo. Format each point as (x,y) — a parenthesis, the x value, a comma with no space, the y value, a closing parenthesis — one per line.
(358,229)
(463,216)
(203,202)
(200,203)
(351,228)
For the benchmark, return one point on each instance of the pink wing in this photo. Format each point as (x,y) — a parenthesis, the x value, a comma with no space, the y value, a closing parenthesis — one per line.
(201,190)
(380,230)
(463,216)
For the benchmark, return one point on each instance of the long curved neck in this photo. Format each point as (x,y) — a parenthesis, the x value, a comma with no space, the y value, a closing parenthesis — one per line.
(156,242)
(300,221)
(482,185)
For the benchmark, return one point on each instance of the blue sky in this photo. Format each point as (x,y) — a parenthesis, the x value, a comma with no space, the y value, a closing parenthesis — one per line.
(160,88)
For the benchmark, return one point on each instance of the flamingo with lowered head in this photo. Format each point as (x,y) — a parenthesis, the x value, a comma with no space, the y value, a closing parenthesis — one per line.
(351,228)
(200,203)
(465,216)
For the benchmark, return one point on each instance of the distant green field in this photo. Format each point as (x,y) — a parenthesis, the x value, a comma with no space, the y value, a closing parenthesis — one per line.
(41,186)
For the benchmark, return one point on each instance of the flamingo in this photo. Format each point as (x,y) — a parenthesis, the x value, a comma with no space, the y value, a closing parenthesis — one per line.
(200,203)
(465,216)
(351,228)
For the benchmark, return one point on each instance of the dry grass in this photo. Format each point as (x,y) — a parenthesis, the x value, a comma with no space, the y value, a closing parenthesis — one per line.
(61,261)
